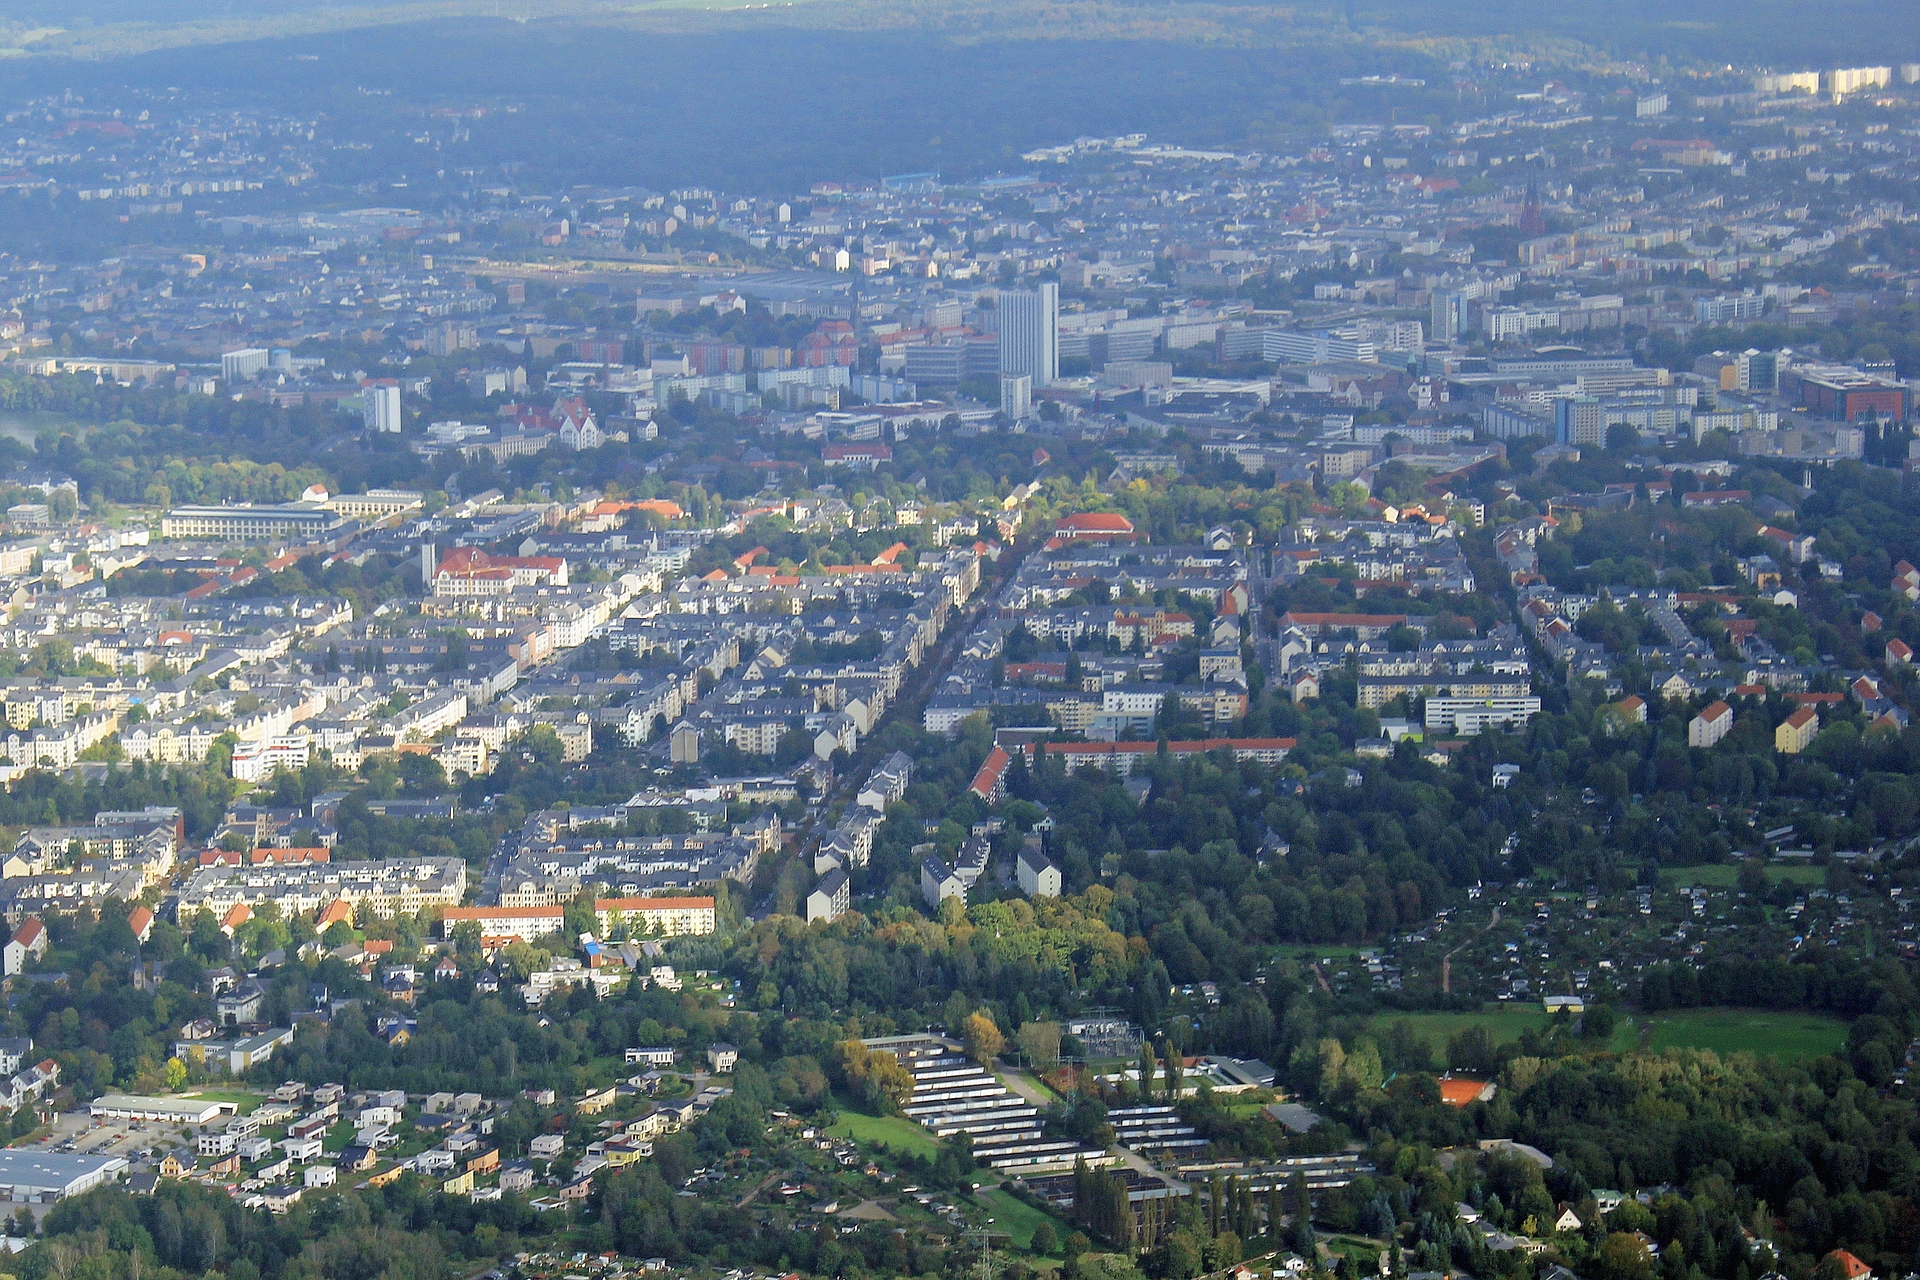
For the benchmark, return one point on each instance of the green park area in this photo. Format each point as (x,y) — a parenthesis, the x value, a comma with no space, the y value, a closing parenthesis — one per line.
(1016,1217)
(1787,1035)
(1726,875)
(898,1134)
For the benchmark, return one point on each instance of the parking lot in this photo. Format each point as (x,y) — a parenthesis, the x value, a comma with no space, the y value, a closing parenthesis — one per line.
(75,1131)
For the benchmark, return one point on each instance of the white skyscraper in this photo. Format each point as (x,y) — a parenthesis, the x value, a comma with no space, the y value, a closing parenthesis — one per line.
(383,408)
(1030,333)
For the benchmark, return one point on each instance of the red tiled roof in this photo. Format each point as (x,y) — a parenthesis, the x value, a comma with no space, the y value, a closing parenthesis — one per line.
(1094,522)
(1850,1267)
(991,769)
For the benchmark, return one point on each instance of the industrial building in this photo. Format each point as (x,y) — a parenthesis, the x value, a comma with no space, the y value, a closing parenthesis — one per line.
(124,1106)
(30,1176)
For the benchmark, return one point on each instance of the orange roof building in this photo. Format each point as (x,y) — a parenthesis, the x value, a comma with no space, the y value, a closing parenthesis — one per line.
(1851,1268)
(990,782)
(273,854)
(465,571)
(1094,526)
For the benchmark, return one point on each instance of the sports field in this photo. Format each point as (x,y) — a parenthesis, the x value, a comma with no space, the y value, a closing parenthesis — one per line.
(1790,1036)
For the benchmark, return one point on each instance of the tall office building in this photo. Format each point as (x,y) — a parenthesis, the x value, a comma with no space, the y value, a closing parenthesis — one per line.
(383,408)
(1450,316)
(1029,326)
(1757,371)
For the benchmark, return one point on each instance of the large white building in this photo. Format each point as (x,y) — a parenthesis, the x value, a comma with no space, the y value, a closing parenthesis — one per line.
(247,520)
(182,1111)
(30,1176)
(244,364)
(1029,327)
(1471,715)
(389,887)
(382,408)
(524,923)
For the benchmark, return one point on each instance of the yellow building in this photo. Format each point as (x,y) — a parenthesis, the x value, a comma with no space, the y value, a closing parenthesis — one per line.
(1793,735)
(666,917)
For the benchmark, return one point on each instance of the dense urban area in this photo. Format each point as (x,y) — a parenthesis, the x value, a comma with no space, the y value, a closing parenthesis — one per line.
(1148,709)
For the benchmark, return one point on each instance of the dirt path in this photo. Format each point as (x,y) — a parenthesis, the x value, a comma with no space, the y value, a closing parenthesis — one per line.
(747,1199)
(1446,961)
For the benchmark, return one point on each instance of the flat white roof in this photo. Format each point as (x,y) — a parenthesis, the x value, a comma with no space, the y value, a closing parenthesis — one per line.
(26,1169)
(194,1110)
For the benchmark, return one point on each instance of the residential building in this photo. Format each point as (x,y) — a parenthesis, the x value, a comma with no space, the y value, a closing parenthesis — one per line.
(1039,875)
(1794,734)
(29,942)
(1710,725)
(657,917)
(831,897)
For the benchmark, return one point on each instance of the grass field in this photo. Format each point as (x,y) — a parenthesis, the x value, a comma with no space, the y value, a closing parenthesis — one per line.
(1017,1218)
(1506,1022)
(1305,952)
(1790,1036)
(1726,876)
(1364,1250)
(899,1134)
(239,1097)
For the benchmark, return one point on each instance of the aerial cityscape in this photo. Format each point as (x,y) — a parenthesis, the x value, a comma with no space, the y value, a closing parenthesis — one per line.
(999,641)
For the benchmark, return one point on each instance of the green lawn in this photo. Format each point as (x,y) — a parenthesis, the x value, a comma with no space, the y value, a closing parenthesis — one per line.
(1726,876)
(1791,1036)
(1506,1022)
(239,1097)
(898,1133)
(1364,1250)
(1016,1217)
